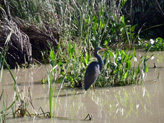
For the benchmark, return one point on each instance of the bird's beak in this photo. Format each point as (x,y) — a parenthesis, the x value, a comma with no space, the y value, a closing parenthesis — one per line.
(103,49)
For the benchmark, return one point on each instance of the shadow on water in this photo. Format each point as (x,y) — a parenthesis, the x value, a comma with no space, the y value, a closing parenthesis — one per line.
(128,104)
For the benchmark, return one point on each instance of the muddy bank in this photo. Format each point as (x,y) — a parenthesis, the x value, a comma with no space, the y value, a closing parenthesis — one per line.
(24,42)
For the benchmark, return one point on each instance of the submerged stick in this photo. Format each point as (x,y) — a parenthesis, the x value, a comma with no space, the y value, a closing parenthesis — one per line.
(1,94)
(90,117)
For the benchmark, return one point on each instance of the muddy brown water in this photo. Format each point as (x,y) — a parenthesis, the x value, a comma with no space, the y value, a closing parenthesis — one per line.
(128,104)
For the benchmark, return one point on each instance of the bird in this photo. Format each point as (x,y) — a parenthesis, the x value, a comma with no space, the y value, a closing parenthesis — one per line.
(94,68)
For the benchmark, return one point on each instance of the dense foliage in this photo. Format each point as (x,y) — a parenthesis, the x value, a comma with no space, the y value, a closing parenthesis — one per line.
(71,30)
(153,45)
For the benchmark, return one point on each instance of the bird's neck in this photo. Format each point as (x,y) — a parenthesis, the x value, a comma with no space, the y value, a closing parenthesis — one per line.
(100,61)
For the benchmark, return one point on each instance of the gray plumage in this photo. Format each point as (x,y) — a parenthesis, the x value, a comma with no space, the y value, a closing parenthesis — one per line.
(93,69)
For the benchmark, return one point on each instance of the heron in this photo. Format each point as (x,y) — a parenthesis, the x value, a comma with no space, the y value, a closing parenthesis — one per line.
(94,68)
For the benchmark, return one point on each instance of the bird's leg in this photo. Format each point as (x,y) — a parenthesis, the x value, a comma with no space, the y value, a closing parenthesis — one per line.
(94,87)
(91,87)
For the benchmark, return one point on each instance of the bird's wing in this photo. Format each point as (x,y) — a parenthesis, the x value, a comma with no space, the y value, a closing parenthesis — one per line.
(91,74)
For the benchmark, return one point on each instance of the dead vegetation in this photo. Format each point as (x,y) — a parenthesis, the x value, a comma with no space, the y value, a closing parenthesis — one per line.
(24,41)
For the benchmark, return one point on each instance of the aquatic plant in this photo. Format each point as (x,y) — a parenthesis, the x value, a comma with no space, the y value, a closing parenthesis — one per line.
(82,26)
(154,45)
(2,113)
(17,95)
(89,23)
(50,80)
(121,69)
(15,87)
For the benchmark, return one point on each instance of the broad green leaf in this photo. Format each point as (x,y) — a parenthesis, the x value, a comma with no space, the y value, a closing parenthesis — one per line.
(132,28)
(110,53)
(123,19)
(126,74)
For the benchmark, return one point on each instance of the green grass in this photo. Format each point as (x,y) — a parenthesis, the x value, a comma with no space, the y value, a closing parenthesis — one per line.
(3,63)
(120,67)
(96,22)
(3,113)
(82,25)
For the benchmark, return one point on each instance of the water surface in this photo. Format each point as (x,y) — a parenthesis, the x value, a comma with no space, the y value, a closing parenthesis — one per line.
(128,104)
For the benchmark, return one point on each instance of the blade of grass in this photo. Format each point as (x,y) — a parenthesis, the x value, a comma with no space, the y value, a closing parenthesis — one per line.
(15,86)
